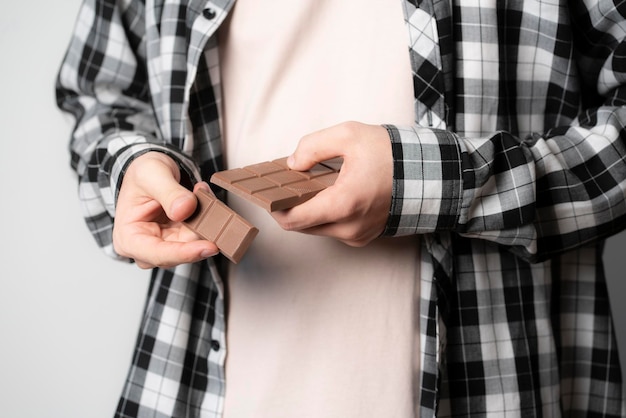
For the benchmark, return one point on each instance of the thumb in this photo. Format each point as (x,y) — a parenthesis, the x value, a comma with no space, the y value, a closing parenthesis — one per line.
(158,175)
(320,146)
(181,205)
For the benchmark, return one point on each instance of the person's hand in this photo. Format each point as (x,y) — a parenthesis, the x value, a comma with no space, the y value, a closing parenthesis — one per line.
(355,209)
(150,207)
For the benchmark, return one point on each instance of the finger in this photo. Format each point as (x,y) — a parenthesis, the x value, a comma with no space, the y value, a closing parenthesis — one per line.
(162,184)
(204,186)
(150,251)
(328,206)
(322,145)
(348,233)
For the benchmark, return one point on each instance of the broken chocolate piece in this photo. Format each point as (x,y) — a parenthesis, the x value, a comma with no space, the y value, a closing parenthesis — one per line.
(216,222)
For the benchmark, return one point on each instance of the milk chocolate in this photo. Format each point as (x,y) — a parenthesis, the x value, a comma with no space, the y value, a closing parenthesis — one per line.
(273,186)
(216,222)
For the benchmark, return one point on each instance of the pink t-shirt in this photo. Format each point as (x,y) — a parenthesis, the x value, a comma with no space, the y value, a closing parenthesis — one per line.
(316,328)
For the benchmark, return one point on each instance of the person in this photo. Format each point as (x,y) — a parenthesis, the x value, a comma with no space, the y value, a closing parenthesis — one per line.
(455,267)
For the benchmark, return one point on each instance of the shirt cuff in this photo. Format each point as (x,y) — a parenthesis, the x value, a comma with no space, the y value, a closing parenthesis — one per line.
(124,149)
(428,181)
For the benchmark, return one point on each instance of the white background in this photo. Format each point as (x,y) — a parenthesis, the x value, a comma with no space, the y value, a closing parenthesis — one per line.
(69,314)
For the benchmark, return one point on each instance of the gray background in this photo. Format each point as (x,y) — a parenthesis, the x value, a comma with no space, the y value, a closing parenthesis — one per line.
(68,314)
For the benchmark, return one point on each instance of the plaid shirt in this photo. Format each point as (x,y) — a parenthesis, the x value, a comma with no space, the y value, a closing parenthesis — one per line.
(512,174)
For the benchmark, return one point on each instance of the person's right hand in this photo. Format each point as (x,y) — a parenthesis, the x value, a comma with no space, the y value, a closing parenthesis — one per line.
(148,217)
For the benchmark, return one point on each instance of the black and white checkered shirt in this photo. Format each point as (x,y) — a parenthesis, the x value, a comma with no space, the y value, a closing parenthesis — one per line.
(512,174)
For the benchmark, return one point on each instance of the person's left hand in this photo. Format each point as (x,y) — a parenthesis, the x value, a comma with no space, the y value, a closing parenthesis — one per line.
(355,209)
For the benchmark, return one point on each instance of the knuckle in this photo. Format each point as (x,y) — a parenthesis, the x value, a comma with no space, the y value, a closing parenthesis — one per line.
(349,126)
(358,238)
(118,248)
(345,130)
(144,266)
(354,238)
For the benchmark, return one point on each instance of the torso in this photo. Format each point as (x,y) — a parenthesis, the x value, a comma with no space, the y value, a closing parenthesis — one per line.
(316,328)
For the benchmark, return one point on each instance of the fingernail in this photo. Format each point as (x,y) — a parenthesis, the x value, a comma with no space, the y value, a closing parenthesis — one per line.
(202,185)
(207,253)
(178,202)
(291,161)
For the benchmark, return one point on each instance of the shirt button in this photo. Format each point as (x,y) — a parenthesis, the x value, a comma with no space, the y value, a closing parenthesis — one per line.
(209,14)
(215,345)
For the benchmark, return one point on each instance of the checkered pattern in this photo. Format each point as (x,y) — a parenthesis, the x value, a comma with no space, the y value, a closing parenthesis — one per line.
(515,157)
(177,367)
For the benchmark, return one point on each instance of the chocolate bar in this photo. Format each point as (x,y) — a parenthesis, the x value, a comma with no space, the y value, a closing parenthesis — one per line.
(273,186)
(216,222)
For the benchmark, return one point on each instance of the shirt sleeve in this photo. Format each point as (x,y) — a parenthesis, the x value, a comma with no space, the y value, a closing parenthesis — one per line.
(103,84)
(539,195)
